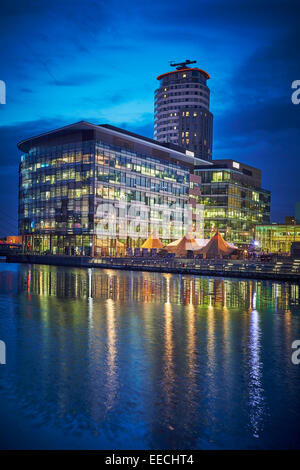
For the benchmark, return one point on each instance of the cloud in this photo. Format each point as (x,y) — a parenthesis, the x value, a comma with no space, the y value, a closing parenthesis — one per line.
(9,164)
(12,134)
(26,90)
(24,7)
(79,79)
(144,129)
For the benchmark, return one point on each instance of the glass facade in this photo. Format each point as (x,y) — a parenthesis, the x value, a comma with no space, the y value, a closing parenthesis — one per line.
(232,204)
(80,196)
(277,238)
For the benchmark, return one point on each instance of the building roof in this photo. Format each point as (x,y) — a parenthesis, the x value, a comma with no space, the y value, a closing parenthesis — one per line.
(229,164)
(175,151)
(168,145)
(278,225)
(187,69)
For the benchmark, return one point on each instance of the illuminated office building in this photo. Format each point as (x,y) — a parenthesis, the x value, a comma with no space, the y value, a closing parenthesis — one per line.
(181,110)
(234,201)
(83,185)
(277,238)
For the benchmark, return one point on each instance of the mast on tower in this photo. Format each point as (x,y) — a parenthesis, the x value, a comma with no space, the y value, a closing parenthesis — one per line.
(182,65)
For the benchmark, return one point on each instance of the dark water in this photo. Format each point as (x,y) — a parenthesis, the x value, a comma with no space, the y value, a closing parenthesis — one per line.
(128,360)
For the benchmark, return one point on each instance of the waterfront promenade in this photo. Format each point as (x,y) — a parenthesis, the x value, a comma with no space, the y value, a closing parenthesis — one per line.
(282,270)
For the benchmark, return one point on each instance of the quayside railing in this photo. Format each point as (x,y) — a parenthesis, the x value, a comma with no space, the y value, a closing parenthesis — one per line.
(291,267)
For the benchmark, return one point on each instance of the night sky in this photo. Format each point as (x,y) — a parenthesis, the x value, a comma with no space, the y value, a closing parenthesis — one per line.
(70,60)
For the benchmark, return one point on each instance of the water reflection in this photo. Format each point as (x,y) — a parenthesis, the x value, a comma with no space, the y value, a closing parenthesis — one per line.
(168,362)
(150,360)
(256,398)
(111,354)
(151,287)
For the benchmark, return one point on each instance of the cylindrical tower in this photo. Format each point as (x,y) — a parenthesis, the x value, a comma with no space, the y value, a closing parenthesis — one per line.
(181,110)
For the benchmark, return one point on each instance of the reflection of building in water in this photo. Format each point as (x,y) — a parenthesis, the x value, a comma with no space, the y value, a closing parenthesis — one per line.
(157,288)
(168,360)
(211,344)
(134,345)
(112,371)
(256,391)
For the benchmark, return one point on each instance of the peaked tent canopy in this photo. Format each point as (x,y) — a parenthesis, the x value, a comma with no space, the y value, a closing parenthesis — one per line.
(217,247)
(152,242)
(202,241)
(184,244)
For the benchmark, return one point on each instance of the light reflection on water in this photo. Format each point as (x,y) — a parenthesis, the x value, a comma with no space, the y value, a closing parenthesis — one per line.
(114,359)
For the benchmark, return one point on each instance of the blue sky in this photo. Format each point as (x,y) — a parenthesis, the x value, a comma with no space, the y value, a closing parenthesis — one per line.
(64,61)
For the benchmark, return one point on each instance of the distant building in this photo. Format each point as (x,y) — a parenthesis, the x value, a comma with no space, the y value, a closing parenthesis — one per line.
(289,220)
(78,178)
(234,201)
(10,245)
(14,239)
(181,110)
(277,238)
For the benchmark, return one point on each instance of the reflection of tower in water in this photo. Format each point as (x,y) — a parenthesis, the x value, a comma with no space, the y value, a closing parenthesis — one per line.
(168,379)
(256,398)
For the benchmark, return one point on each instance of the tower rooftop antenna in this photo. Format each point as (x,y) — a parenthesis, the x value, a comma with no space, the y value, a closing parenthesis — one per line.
(182,65)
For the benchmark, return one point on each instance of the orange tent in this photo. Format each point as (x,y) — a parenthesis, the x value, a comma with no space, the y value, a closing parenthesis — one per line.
(152,242)
(184,244)
(216,247)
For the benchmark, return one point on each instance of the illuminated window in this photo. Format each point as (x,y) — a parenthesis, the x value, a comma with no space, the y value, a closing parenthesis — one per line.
(217,176)
(195,114)
(184,75)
